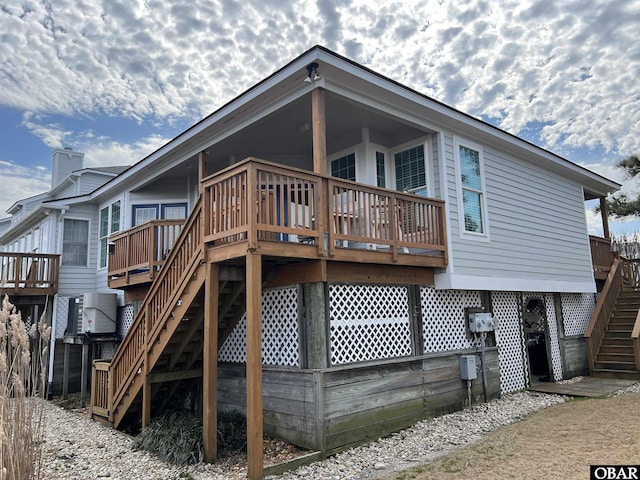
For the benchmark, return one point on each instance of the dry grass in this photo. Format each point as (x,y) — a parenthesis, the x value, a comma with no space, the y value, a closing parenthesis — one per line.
(23,362)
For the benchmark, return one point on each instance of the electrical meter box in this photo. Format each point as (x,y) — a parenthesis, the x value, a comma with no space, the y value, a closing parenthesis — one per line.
(468,367)
(480,322)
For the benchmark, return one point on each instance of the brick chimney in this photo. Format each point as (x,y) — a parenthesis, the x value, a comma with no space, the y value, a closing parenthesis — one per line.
(65,161)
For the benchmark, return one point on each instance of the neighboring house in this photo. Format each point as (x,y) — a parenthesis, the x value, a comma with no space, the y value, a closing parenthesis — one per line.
(50,250)
(342,232)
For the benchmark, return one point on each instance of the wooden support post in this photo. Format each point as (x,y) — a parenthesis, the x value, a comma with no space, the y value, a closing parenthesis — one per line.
(202,168)
(84,373)
(65,371)
(605,217)
(319,132)
(210,364)
(315,325)
(146,386)
(254,367)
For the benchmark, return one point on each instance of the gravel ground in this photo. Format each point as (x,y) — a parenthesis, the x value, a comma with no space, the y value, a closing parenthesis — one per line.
(76,447)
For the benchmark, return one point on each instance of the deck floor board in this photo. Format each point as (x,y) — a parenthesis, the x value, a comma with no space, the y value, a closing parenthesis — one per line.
(587,387)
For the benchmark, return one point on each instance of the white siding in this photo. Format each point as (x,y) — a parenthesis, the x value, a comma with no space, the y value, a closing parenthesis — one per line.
(88,182)
(538,232)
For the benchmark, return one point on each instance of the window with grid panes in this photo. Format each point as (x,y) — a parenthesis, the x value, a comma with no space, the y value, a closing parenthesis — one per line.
(109,224)
(410,171)
(380,172)
(344,167)
(471,180)
(75,242)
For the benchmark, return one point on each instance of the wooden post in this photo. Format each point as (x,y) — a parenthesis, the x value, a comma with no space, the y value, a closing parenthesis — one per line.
(202,168)
(315,325)
(254,367)
(605,217)
(210,364)
(146,386)
(319,132)
(84,373)
(65,371)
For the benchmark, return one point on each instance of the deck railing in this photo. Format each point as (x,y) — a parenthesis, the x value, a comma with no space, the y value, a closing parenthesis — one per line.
(600,318)
(257,200)
(29,273)
(142,249)
(601,256)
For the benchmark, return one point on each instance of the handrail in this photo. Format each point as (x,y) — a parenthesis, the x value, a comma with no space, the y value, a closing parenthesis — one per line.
(635,337)
(600,318)
(601,254)
(631,272)
(36,273)
(257,200)
(130,354)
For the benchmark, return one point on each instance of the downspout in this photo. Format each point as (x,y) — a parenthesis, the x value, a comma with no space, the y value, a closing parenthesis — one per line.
(54,317)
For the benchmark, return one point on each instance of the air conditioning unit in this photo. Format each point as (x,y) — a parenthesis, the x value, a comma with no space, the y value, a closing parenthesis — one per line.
(99,313)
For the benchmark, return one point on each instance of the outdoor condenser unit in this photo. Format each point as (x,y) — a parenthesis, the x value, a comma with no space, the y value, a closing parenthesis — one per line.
(99,312)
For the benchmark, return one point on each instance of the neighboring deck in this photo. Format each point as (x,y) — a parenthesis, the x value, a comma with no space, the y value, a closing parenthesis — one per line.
(28,274)
(292,214)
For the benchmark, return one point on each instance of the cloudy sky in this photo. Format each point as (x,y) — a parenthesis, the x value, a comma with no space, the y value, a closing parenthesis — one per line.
(118,78)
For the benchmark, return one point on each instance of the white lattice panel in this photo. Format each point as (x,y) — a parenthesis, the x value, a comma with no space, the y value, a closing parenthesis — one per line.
(514,369)
(125,317)
(62,313)
(368,322)
(577,309)
(443,318)
(556,359)
(108,350)
(280,339)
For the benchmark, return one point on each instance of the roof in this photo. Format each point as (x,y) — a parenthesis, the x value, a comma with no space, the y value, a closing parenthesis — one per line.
(284,84)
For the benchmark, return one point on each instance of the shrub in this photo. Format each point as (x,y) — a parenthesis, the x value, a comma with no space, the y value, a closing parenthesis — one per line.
(23,363)
(177,436)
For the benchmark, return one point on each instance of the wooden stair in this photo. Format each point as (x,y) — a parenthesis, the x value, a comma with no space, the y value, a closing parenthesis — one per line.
(163,349)
(615,357)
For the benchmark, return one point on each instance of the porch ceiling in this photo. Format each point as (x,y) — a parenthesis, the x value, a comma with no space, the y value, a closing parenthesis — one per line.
(285,136)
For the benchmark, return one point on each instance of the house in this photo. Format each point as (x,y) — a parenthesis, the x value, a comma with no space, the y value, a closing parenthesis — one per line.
(355,255)
(49,252)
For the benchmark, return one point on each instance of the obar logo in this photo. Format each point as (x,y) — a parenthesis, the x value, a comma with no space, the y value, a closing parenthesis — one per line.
(614,472)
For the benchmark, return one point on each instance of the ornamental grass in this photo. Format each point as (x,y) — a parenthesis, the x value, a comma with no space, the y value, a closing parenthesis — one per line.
(23,366)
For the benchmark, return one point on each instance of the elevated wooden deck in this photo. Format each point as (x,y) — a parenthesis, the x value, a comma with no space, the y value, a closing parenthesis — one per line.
(262,208)
(28,274)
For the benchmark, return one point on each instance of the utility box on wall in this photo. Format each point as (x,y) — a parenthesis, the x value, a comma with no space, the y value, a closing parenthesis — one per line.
(480,322)
(99,312)
(468,367)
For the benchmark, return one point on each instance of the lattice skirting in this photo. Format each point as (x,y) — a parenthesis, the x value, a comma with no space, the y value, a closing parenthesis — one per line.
(577,309)
(443,318)
(368,322)
(126,315)
(61,313)
(512,353)
(280,335)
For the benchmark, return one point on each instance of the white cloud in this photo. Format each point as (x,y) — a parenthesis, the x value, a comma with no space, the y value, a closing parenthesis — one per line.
(20,182)
(109,153)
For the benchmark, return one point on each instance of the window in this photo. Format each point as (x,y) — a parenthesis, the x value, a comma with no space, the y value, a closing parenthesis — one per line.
(75,242)
(410,171)
(344,167)
(471,183)
(168,211)
(380,175)
(109,224)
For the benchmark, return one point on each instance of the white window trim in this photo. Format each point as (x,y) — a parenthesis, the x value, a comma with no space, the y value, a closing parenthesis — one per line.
(88,220)
(484,236)
(109,207)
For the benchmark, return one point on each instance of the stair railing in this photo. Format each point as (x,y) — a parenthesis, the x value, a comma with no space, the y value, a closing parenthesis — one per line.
(128,359)
(635,336)
(604,308)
